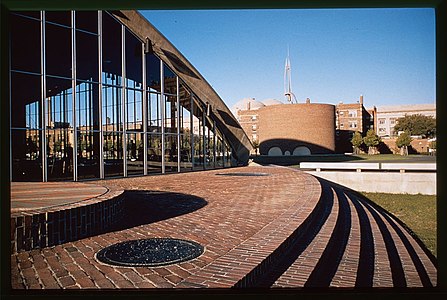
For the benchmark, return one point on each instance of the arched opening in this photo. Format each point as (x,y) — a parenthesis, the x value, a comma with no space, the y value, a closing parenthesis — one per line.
(301,150)
(275,151)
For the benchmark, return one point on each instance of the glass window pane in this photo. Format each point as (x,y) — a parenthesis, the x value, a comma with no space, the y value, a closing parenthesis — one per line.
(111,49)
(198,141)
(25,102)
(185,153)
(171,154)
(134,61)
(135,155)
(87,20)
(25,52)
(219,152)
(185,108)
(170,114)
(87,106)
(111,108)
(59,103)
(153,77)
(59,154)
(58,50)
(86,56)
(59,17)
(32,14)
(209,148)
(170,81)
(134,110)
(88,154)
(154,153)
(154,113)
(113,154)
(26,155)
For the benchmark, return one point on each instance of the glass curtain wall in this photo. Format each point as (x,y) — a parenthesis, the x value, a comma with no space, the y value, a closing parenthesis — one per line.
(88,102)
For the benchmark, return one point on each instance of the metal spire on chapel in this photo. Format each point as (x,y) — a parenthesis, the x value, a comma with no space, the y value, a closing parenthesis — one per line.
(288,81)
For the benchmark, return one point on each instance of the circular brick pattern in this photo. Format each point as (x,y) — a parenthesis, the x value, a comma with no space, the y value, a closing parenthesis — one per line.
(150,252)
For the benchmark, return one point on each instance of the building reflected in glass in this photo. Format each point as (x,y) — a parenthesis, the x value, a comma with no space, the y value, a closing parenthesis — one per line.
(88,102)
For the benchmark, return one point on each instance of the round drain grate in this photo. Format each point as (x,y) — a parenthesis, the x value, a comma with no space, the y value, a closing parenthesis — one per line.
(243,174)
(150,252)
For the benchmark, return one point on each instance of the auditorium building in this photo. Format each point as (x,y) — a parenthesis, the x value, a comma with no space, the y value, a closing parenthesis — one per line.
(101,94)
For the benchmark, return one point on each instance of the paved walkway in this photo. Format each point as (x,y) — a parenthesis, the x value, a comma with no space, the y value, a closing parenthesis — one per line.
(287,229)
(38,195)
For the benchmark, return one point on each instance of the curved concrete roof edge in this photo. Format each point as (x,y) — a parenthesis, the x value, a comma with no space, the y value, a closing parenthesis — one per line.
(161,46)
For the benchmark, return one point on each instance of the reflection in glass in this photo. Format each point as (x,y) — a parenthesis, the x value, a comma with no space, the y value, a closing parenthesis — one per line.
(87,106)
(25,52)
(111,49)
(219,151)
(170,81)
(31,14)
(209,147)
(87,21)
(190,137)
(198,138)
(59,103)
(59,17)
(134,61)
(88,154)
(154,112)
(227,157)
(60,154)
(154,153)
(171,154)
(25,100)
(111,108)
(134,110)
(170,114)
(185,108)
(185,153)
(86,56)
(135,155)
(113,154)
(58,50)
(153,77)
(26,155)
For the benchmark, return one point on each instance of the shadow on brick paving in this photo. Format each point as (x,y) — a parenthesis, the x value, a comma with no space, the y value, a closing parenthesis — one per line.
(146,207)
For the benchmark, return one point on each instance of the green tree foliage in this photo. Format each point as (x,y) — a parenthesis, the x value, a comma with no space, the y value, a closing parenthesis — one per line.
(433,144)
(403,141)
(255,144)
(417,125)
(371,140)
(357,141)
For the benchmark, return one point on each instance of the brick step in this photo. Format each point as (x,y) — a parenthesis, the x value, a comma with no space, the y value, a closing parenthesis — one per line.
(297,273)
(402,247)
(366,247)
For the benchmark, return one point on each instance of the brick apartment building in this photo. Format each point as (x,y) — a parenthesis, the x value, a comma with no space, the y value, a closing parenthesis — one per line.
(349,118)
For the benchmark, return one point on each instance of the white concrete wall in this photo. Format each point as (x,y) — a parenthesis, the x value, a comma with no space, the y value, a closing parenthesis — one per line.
(383,182)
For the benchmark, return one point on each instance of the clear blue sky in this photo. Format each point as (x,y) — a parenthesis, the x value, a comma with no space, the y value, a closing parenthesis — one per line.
(388,55)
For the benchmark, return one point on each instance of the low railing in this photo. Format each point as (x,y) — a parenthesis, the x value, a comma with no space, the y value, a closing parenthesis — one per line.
(359,167)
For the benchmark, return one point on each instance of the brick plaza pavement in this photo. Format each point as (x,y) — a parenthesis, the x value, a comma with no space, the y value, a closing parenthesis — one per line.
(287,229)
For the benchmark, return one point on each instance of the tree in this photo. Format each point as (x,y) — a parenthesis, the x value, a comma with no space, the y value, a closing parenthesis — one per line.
(403,141)
(256,146)
(357,141)
(371,140)
(417,125)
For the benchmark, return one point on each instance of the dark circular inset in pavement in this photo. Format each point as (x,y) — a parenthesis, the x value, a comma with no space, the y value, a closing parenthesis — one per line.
(150,252)
(243,174)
